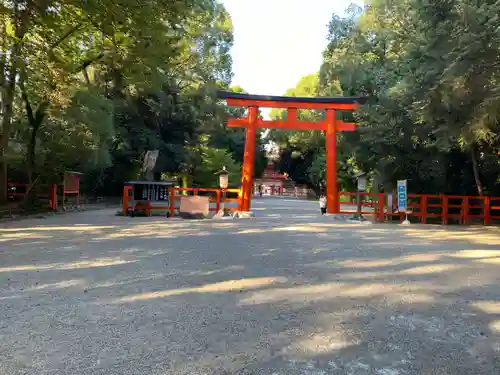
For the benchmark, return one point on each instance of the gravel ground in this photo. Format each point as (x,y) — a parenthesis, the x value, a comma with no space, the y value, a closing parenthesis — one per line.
(289,292)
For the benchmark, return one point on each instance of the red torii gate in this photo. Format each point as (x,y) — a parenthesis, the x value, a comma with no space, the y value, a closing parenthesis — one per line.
(331,125)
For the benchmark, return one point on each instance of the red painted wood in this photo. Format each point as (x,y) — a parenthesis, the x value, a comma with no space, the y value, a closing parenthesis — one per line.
(297,105)
(381,207)
(486,211)
(292,125)
(423,209)
(332,196)
(249,159)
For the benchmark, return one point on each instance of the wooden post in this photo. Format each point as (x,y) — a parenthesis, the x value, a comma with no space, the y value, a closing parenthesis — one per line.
(171,193)
(53,197)
(217,200)
(63,194)
(332,195)
(423,209)
(381,207)
(465,205)
(248,160)
(486,210)
(444,212)
(125,200)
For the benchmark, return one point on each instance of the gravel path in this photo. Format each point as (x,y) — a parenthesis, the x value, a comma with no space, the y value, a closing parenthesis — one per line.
(287,293)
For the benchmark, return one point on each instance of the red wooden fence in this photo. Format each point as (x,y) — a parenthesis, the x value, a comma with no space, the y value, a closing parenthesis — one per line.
(17,191)
(462,209)
(176,194)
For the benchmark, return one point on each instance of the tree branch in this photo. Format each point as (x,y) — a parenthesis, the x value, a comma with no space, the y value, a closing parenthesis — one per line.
(27,104)
(88,62)
(86,76)
(40,112)
(34,118)
(66,35)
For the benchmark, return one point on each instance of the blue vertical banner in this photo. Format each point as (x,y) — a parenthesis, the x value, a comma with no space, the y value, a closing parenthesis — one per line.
(402,196)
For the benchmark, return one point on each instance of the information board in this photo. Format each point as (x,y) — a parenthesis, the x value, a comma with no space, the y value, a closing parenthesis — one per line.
(402,196)
(150,192)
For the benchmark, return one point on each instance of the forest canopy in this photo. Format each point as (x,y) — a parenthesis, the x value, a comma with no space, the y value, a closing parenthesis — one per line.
(91,86)
(430,71)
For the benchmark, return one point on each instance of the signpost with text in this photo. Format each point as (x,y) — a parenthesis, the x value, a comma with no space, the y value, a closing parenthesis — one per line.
(402,196)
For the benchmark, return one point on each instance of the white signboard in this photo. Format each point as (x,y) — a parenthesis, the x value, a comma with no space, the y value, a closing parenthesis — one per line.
(402,196)
(390,208)
(362,184)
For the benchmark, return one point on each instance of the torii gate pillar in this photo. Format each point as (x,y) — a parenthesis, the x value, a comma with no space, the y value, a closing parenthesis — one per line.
(332,194)
(248,160)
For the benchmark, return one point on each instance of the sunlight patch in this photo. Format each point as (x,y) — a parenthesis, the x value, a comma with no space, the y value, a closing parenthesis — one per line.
(477,254)
(490,307)
(100,262)
(79,228)
(488,260)
(301,228)
(495,326)
(433,268)
(321,343)
(224,286)
(414,258)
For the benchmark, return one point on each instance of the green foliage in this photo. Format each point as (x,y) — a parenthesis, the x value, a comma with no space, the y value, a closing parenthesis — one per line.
(233,139)
(300,150)
(429,69)
(212,161)
(93,86)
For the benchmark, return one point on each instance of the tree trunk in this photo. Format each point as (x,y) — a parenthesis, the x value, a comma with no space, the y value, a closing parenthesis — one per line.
(21,20)
(475,169)
(4,144)
(35,120)
(6,128)
(31,149)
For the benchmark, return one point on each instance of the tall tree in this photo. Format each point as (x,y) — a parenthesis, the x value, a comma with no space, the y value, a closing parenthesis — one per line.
(50,49)
(429,70)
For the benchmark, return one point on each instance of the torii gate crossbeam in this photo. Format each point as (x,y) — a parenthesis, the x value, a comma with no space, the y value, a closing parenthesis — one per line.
(330,125)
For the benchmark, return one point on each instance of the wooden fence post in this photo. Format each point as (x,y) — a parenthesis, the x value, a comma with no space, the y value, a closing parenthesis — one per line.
(217,202)
(125,200)
(444,210)
(171,192)
(381,207)
(486,210)
(465,207)
(423,209)
(53,197)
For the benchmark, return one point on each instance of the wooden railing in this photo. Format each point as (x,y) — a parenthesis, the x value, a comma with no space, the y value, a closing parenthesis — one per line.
(17,191)
(436,208)
(425,207)
(175,196)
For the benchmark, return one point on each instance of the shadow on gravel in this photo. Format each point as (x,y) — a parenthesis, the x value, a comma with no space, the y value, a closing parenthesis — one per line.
(268,296)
